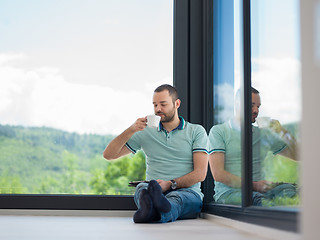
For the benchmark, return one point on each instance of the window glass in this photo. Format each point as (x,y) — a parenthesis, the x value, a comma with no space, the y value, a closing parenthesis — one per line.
(225,135)
(73,75)
(276,75)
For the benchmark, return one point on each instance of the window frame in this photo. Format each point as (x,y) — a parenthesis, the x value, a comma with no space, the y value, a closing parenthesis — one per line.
(67,202)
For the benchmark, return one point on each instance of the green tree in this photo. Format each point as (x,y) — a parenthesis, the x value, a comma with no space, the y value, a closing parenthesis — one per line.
(118,173)
(11,185)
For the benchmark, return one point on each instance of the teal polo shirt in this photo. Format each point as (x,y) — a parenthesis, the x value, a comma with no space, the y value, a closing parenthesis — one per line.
(226,138)
(169,155)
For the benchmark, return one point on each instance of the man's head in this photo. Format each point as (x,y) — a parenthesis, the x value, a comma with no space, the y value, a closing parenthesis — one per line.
(255,103)
(166,102)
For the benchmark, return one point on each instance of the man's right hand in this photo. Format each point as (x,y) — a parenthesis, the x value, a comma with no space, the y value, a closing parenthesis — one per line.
(139,125)
(262,186)
(116,148)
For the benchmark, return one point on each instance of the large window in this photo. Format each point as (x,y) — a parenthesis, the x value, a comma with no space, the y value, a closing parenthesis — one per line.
(254,140)
(214,68)
(73,75)
(276,74)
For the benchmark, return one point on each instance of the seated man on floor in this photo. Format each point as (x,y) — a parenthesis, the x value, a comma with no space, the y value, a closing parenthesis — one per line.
(176,158)
(225,157)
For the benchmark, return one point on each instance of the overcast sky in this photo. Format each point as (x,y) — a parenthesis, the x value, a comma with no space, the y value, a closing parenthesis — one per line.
(275,63)
(80,65)
(90,66)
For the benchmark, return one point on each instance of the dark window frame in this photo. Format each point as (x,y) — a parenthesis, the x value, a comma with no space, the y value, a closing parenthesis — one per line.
(67,202)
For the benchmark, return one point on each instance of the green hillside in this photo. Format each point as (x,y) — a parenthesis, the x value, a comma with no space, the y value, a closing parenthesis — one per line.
(37,160)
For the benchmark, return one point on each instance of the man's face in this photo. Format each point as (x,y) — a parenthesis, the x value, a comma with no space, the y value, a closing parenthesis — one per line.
(164,107)
(256,103)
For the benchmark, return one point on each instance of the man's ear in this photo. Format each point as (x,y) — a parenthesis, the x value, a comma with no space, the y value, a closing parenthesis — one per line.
(177,103)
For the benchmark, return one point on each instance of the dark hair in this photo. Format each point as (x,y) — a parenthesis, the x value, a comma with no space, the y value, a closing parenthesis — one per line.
(172,91)
(255,91)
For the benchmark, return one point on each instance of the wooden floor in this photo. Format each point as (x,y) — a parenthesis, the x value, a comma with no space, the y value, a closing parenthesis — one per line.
(73,226)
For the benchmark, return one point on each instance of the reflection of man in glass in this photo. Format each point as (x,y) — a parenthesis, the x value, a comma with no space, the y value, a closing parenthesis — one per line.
(225,157)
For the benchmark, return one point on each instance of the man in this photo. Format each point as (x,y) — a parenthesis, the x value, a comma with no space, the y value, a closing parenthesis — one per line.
(176,159)
(225,157)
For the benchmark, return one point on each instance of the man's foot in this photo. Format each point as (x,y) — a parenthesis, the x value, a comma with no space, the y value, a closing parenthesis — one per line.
(159,200)
(146,213)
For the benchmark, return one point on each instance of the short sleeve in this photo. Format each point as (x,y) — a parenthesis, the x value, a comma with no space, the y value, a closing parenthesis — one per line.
(200,143)
(274,141)
(216,140)
(134,143)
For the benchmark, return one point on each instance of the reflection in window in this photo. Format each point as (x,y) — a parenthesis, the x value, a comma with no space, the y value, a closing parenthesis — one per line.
(74,74)
(276,74)
(275,102)
(225,135)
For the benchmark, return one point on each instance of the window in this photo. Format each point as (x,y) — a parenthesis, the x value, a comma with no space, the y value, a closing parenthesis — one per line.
(249,45)
(73,75)
(226,74)
(198,77)
(276,74)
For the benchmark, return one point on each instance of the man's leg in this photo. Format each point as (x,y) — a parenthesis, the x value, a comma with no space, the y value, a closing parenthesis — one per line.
(233,196)
(138,192)
(146,212)
(285,190)
(160,202)
(185,204)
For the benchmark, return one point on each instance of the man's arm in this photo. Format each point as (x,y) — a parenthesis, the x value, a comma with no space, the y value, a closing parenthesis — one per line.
(216,161)
(291,151)
(200,166)
(116,148)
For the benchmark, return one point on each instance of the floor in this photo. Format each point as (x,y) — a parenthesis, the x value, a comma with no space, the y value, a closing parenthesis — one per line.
(99,226)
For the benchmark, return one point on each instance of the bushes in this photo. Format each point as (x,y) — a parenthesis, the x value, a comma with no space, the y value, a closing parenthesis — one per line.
(50,161)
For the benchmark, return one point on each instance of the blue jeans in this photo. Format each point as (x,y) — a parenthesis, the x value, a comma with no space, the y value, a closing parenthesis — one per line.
(185,203)
(233,196)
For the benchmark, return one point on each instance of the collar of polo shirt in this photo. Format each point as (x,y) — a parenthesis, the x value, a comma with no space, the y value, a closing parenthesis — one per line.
(180,126)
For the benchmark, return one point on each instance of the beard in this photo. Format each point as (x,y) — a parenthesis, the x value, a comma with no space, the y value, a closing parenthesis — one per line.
(167,117)
(254,117)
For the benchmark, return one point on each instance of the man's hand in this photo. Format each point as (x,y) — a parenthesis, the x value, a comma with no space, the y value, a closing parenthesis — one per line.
(262,186)
(277,127)
(116,148)
(139,125)
(165,185)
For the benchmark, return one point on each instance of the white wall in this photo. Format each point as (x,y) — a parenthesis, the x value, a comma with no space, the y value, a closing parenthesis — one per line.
(310,129)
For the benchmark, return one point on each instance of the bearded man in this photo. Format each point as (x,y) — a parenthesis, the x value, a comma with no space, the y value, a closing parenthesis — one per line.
(176,159)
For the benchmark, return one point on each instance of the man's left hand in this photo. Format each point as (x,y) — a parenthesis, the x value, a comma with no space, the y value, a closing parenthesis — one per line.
(165,185)
(276,126)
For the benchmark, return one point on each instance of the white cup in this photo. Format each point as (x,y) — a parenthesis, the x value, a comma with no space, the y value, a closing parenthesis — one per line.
(153,121)
(263,122)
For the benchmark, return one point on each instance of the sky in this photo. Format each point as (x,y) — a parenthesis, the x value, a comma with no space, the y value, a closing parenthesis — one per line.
(90,66)
(276,65)
(82,66)
(275,62)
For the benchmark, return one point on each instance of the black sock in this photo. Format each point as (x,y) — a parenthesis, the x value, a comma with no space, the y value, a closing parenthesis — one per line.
(158,199)
(146,212)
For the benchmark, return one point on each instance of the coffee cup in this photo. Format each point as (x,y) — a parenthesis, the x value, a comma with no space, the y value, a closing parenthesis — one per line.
(263,122)
(153,121)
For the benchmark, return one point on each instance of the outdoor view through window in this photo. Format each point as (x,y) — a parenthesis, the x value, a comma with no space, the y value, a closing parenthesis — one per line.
(276,75)
(74,74)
